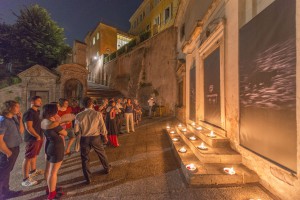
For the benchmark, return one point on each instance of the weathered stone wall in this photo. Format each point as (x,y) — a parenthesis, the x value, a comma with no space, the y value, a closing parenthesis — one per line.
(282,183)
(147,70)
(14,92)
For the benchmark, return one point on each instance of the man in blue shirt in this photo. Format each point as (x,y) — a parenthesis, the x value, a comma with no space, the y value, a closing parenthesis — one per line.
(11,128)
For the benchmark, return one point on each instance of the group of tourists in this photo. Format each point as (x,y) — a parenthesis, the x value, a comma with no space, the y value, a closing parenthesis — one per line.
(89,127)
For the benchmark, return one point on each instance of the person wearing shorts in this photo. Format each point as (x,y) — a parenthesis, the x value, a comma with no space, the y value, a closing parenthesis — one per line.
(33,136)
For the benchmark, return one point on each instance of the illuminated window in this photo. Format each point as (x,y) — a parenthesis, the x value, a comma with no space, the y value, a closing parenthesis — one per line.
(98,36)
(94,41)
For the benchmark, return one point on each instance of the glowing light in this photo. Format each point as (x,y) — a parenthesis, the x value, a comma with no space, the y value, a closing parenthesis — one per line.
(168,127)
(184,130)
(193,138)
(202,146)
(172,132)
(179,125)
(212,134)
(193,124)
(182,150)
(199,128)
(175,139)
(191,167)
(229,171)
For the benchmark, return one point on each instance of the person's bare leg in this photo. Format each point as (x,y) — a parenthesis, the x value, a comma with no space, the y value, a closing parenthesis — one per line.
(33,163)
(71,141)
(52,177)
(25,168)
(47,168)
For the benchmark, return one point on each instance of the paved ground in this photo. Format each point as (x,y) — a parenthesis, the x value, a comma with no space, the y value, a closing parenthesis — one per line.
(143,168)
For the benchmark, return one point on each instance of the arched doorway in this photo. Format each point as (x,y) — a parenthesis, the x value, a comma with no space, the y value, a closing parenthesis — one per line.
(73,89)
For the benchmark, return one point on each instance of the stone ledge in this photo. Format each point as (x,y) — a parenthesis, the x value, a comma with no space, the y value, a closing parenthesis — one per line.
(211,155)
(209,173)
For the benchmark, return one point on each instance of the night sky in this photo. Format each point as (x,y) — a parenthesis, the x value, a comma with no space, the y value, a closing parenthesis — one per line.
(77,17)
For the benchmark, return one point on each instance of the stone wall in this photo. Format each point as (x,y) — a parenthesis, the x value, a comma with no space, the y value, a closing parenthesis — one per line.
(281,182)
(148,70)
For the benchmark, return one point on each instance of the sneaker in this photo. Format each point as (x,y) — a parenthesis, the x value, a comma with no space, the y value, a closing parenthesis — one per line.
(29,182)
(36,173)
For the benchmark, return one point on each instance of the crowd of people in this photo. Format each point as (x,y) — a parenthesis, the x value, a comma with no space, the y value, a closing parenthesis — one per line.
(60,126)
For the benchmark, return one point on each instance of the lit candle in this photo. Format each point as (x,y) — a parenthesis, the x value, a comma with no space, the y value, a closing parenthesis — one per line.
(168,127)
(191,167)
(175,139)
(202,146)
(183,130)
(199,128)
(179,125)
(193,124)
(182,150)
(193,138)
(229,171)
(212,134)
(172,132)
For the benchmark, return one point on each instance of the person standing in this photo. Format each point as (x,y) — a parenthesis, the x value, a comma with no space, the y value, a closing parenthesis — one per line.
(64,109)
(119,115)
(90,125)
(129,115)
(54,148)
(33,136)
(11,128)
(151,103)
(137,112)
(111,124)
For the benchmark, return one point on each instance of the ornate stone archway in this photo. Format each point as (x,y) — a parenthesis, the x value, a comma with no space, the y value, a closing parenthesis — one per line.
(73,89)
(73,80)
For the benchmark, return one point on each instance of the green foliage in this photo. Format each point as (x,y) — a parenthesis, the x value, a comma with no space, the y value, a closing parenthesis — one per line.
(144,36)
(34,39)
(8,81)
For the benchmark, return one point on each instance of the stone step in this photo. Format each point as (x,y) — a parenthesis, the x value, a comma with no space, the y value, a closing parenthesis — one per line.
(217,142)
(208,174)
(211,154)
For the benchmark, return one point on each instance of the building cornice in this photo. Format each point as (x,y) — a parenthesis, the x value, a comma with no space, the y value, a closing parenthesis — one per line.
(200,24)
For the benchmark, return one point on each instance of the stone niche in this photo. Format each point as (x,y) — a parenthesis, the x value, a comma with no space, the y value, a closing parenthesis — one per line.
(73,81)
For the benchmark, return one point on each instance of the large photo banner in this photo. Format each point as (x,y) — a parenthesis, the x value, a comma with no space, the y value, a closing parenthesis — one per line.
(212,104)
(267,78)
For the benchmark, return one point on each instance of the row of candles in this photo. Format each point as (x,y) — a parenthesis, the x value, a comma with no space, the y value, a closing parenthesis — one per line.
(202,146)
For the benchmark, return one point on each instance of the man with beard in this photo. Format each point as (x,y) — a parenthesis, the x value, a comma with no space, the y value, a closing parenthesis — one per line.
(33,136)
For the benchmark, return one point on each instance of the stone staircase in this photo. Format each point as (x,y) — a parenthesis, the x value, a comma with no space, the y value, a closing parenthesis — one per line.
(100,91)
(210,162)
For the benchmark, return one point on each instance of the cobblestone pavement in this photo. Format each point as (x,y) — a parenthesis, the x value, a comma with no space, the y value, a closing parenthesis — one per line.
(144,167)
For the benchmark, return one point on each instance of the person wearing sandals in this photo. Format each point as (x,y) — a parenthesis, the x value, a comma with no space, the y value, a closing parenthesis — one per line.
(111,123)
(54,149)
(11,128)
(129,115)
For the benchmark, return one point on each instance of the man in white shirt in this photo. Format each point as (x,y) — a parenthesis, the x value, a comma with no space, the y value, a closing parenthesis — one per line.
(151,103)
(90,125)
